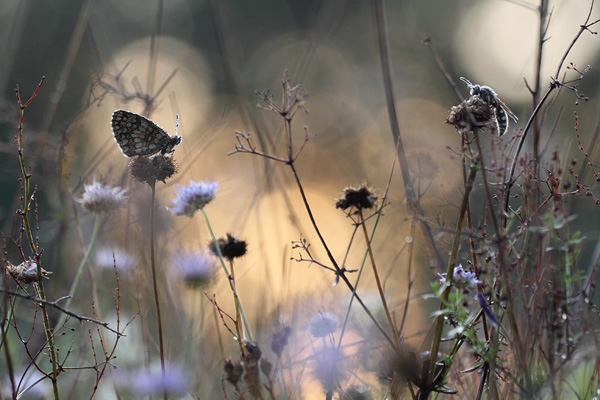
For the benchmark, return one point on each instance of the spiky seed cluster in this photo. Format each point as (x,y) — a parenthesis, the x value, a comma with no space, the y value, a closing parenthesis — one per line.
(151,169)
(231,247)
(361,197)
(25,272)
(98,198)
(471,115)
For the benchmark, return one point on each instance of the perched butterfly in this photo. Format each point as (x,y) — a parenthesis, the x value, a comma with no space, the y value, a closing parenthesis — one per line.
(138,136)
(488,95)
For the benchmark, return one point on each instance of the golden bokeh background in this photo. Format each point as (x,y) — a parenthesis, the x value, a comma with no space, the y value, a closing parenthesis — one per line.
(203,61)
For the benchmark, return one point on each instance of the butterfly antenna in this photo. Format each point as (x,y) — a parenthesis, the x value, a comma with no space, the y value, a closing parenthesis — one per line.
(176,124)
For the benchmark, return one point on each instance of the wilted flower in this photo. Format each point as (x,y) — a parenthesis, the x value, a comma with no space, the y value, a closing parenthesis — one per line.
(231,248)
(461,278)
(25,272)
(150,382)
(109,257)
(360,197)
(322,325)
(98,198)
(193,197)
(196,268)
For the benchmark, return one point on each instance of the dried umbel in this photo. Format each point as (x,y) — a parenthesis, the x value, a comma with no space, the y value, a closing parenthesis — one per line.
(26,272)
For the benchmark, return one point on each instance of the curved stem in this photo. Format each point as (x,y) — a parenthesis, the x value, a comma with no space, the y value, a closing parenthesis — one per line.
(154,283)
(80,269)
(379,287)
(238,303)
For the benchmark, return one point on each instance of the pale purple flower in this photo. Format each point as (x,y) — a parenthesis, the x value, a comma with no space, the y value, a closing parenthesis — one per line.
(461,278)
(193,197)
(197,269)
(98,198)
(108,257)
(322,325)
(148,382)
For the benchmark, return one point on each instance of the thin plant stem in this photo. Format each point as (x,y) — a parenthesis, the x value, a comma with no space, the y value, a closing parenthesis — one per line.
(80,269)
(379,287)
(33,245)
(248,332)
(155,285)
(439,327)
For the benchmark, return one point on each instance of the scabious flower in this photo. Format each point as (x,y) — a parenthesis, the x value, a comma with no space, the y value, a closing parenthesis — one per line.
(196,268)
(461,278)
(108,257)
(322,325)
(193,197)
(98,198)
(148,382)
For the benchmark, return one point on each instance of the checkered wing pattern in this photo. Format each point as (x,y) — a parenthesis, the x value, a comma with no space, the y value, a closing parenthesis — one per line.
(138,136)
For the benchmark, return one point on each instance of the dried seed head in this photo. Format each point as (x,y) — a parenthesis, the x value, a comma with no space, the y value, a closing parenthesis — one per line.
(280,340)
(151,169)
(233,371)
(360,197)
(266,367)
(25,272)
(231,248)
(471,115)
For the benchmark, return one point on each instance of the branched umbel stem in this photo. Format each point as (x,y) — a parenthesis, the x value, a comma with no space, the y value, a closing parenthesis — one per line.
(26,199)
(293,101)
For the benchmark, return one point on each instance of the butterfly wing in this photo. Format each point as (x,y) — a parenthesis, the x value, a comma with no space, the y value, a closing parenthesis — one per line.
(138,136)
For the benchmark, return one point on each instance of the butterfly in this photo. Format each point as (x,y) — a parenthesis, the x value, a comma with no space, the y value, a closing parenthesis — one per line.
(488,95)
(138,136)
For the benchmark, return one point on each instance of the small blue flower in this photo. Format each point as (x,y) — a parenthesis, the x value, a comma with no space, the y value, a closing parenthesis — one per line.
(98,198)
(193,197)
(148,382)
(196,268)
(108,257)
(461,278)
(322,325)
